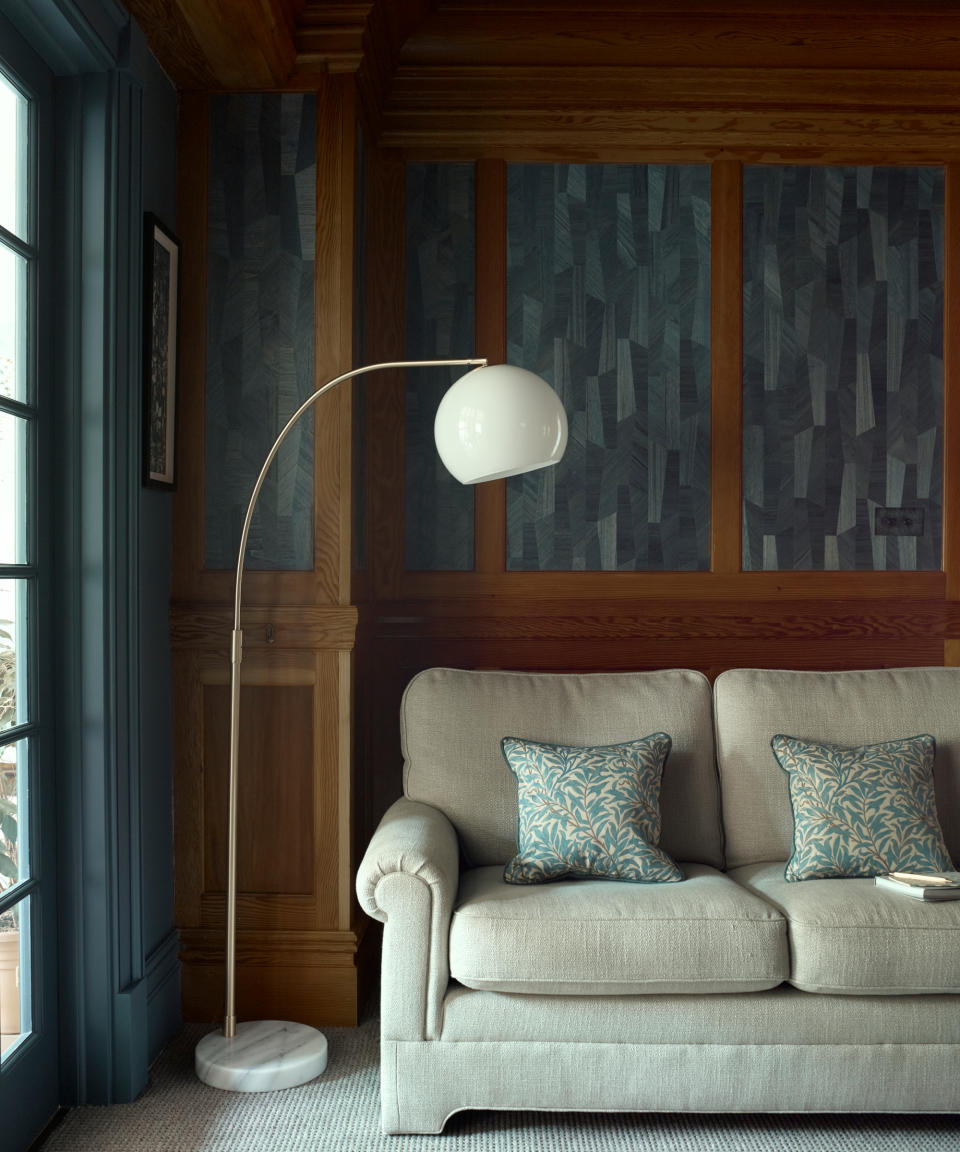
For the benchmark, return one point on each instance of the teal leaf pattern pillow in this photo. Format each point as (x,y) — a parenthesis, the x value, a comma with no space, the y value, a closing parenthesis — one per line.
(862,811)
(589,812)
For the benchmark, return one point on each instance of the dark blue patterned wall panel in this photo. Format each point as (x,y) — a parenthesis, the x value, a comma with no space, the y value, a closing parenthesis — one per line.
(843,365)
(609,299)
(261,219)
(440,325)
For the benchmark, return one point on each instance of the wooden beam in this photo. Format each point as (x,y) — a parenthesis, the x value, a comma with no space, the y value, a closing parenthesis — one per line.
(221,44)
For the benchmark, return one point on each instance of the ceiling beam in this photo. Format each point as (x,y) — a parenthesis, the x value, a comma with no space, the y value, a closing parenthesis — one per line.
(221,44)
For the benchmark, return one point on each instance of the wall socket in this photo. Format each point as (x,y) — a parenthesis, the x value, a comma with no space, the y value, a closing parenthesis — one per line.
(898,522)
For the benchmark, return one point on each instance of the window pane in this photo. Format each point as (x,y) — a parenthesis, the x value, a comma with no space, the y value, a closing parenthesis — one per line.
(13,324)
(13,831)
(14,432)
(13,653)
(13,150)
(15,1013)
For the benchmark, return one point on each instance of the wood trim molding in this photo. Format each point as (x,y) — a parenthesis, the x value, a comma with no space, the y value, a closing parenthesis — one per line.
(282,627)
(490,500)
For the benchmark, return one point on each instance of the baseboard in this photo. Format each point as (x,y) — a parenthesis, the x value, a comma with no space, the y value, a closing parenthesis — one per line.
(162,975)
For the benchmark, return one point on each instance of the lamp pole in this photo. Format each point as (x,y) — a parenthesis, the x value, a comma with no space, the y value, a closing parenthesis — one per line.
(509,422)
(218,1058)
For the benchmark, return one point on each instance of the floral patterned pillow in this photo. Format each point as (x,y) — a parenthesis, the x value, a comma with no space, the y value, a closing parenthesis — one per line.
(589,812)
(862,811)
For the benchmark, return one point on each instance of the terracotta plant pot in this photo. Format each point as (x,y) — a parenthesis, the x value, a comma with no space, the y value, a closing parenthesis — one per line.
(10,983)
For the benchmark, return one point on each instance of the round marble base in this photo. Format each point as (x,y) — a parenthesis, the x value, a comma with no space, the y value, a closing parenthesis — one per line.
(263,1056)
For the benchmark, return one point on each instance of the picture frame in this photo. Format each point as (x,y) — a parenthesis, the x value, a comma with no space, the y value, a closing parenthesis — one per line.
(161,316)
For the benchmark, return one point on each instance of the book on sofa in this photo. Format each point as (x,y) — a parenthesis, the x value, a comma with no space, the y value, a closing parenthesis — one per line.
(935,886)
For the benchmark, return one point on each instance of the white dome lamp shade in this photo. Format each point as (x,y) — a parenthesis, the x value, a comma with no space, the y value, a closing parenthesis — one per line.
(499,420)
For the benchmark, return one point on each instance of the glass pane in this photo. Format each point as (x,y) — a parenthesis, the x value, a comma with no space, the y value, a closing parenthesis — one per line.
(843,368)
(14,432)
(15,1000)
(608,297)
(13,165)
(440,258)
(14,865)
(13,324)
(13,653)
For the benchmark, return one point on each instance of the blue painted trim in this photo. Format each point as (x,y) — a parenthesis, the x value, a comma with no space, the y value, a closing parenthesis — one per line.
(162,978)
(72,36)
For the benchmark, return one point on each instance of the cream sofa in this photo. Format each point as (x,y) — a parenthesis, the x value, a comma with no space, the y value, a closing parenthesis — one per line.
(733,990)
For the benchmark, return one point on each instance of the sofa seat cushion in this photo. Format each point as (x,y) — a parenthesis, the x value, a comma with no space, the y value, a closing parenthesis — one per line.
(851,937)
(602,937)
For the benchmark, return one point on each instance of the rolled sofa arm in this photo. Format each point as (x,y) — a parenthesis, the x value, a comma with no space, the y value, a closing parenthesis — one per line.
(408,879)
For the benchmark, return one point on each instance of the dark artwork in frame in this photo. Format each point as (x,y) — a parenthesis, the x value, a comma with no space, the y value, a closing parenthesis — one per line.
(161,295)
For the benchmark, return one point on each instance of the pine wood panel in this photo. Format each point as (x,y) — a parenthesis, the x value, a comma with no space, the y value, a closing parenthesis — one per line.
(951,385)
(490,504)
(386,341)
(275,792)
(317,978)
(769,35)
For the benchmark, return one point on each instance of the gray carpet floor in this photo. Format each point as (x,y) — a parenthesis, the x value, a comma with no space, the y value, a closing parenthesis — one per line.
(340,1112)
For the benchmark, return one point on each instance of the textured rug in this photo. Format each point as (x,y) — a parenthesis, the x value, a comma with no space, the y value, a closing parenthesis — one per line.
(340,1112)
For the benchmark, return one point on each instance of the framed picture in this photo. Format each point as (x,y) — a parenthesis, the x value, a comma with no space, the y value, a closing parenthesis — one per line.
(161,299)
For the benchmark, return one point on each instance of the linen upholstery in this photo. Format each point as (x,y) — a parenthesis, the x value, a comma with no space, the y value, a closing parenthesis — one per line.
(862,811)
(782,1015)
(446,1047)
(423,1084)
(601,937)
(850,937)
(408,879)
(452,722)
(866,707)
(589,812)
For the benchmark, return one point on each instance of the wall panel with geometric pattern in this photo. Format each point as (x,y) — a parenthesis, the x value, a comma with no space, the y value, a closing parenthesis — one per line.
(843,366)
(261,221)
(608,297)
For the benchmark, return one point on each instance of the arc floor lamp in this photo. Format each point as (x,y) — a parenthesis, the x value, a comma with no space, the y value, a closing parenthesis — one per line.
(495,421)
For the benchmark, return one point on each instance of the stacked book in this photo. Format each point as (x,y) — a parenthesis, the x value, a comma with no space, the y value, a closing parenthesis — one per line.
(930,886)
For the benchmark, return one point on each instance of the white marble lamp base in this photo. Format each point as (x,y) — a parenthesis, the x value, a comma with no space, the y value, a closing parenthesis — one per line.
(263,1056)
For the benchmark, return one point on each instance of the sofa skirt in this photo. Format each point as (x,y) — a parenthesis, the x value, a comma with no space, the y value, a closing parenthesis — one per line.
(777,1051)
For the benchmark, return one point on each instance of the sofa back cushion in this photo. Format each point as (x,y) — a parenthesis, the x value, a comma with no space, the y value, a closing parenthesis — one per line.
(452,722)
(752,705)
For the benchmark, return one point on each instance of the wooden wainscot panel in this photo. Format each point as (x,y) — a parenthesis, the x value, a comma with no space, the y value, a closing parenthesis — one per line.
(316,978)
(275,790)
(294,846)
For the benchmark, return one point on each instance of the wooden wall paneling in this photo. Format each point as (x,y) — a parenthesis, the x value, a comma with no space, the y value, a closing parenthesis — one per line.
(299,936)
(490,507)
(765,35)
(951,402)
(726,363)
(386,340)
(336,144)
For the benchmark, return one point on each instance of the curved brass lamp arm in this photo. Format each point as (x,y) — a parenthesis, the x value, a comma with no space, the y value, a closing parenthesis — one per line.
(236,657)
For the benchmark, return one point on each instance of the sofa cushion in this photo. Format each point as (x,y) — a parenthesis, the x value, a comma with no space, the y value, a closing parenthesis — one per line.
(851,937)
(862,811)
(600,937)
(452,722)
(589,812)
(865,707)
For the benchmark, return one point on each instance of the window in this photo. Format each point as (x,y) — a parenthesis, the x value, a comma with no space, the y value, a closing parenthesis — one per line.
(18,572)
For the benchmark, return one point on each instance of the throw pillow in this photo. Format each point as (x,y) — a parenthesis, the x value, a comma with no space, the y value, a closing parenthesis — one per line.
(862,811)
(589,812)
